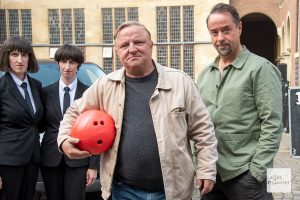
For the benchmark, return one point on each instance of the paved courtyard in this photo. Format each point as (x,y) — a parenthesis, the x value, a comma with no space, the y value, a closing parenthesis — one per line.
(283,160)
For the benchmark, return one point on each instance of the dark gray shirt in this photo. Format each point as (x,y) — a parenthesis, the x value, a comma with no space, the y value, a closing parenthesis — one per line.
(138,161)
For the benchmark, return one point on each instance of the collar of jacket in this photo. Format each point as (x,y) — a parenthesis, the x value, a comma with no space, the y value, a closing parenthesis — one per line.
(238,62)
(163,81)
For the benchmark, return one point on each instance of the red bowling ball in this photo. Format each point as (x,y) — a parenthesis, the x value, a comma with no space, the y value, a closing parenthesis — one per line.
(96,131)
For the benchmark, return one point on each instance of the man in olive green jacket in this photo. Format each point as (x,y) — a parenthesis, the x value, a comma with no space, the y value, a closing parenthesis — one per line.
(242,92)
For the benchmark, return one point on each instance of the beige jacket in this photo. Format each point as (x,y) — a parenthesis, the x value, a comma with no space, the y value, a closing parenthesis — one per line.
(179,116)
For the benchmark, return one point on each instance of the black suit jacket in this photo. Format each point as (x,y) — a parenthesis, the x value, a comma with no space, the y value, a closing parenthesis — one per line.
(19,129)
(51,157)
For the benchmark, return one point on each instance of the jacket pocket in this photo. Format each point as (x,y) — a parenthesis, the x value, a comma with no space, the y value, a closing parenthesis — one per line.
(240,147)
(177,121)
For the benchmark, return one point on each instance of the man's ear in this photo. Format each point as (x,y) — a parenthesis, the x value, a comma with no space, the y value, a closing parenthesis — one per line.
(241,27)
(151,43)
(116,52)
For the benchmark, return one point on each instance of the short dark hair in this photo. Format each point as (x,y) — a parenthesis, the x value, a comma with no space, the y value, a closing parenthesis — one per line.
(130,23)
(20,44)
(69,52)
(223,7)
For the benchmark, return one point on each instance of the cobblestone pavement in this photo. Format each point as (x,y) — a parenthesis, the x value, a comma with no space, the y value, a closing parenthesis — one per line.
(283,160)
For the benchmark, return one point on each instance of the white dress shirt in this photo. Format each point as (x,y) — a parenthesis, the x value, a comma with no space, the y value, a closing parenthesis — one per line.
(72,86)
(18,83)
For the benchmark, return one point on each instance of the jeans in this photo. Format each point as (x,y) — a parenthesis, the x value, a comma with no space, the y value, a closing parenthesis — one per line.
(121,191)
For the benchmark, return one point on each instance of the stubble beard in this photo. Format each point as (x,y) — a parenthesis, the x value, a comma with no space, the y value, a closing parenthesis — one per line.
(224,51)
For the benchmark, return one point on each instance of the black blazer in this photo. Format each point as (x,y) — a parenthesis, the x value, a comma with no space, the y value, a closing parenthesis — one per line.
(51,157)
(19,133)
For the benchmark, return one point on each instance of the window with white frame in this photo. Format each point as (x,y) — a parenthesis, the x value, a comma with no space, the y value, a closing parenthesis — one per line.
(26,24)
(3,33)
(13,18)
(54,28)
(175,37)
(111,19)
(71,28)
(15,22)
(66,22)
(79,26)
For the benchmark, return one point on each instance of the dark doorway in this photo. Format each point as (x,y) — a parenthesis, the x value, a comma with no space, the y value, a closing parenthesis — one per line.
(260,36)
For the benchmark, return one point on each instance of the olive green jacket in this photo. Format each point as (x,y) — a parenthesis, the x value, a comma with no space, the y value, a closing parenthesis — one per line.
(245,104)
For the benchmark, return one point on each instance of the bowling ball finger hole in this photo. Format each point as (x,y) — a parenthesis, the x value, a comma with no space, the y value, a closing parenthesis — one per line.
(102,122)
(95,123)
(99,142)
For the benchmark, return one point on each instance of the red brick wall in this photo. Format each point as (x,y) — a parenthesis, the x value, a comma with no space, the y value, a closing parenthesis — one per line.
(279,11)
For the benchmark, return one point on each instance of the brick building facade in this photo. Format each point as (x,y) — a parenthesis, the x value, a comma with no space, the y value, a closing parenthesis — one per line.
(178,28)
(284,15)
